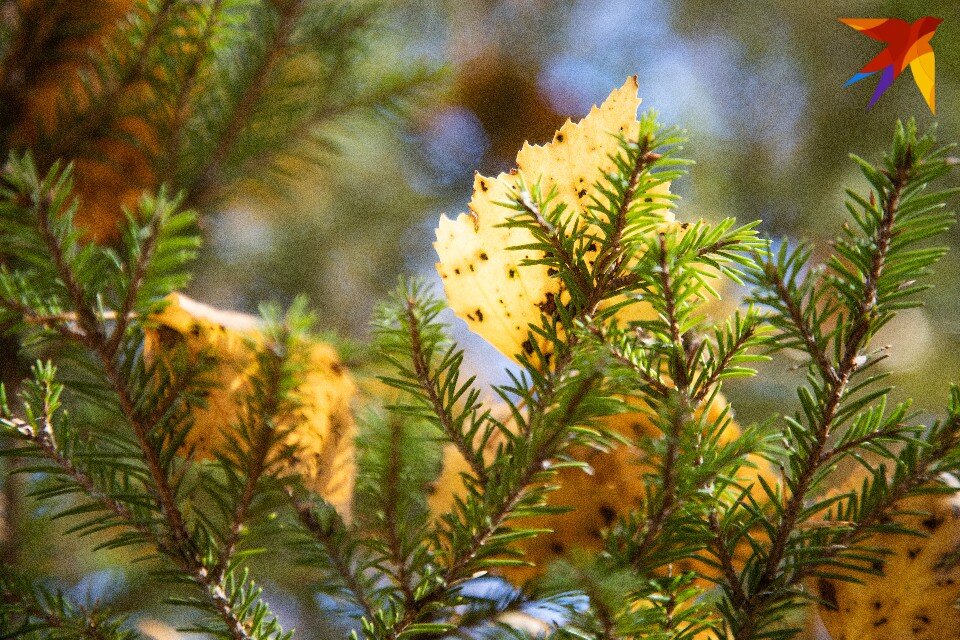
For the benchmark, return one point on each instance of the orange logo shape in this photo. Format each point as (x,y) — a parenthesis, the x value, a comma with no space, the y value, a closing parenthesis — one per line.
(907,44)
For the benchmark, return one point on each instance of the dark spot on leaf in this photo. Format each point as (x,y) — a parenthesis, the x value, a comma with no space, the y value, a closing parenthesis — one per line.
(479,315)
(932,523)
(549,305)
(828,593)
(483,185)
(608,514)
(552,272)
(559,137)
(880,622)
(592,246)
(581,193)
(484,256)
(512,273)
(527,346)
(877,565)
(456,271)
(557,548)
(913,553)
(648,199)
(167,337)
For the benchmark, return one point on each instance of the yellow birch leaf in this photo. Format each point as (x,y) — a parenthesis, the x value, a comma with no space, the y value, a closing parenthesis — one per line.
(324,430)
(917,587)
(485,283)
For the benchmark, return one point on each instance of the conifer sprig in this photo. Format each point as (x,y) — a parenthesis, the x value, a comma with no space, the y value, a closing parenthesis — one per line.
(670,368)
(832,314)
(32,612)
(71,290)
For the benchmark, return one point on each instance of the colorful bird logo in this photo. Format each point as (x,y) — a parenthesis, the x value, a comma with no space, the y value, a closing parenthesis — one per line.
(907,44)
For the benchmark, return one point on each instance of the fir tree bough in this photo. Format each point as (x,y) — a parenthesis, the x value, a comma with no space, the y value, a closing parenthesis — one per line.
(733,532)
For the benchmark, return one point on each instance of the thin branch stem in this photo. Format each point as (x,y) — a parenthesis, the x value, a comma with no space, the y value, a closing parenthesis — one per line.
(795,313)
(392,518)
(138,271)
(340,563)
(209,176)
(262,440)
(428,384)
(726,561)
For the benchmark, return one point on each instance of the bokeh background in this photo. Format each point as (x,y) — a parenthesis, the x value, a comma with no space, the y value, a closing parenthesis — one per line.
(757,84)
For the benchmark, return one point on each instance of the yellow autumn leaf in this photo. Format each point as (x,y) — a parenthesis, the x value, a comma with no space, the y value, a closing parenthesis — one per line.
(323,432)
(484,281)
(915,591)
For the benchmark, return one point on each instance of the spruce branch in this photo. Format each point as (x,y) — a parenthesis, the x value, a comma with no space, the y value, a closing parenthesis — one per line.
(327,531)
(76,279)
(209,176)
(869,278)
(441,395)
(268,407)
(120,79)
(557,398)
(687,481)
(40,433)
(28,611)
